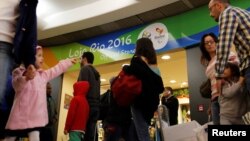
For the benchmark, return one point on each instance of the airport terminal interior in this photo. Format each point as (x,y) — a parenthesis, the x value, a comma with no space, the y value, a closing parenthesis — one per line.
(109,29)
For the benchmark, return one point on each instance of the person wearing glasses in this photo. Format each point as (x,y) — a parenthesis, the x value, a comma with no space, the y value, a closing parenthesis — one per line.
(208,59)
(234,28)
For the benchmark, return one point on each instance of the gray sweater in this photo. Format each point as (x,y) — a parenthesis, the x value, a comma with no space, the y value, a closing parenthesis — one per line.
(90,74)
(233,102)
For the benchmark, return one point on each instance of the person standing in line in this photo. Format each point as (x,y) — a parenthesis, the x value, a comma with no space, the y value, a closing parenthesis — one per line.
(13,38)
(234,28)
(46,133)
(172,104)
(8,18)
(117,120)
(29,111)
(90,74)
(78,112)
(144,66)
(208,59)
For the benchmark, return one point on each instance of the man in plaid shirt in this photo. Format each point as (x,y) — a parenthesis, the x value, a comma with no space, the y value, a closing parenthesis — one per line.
(234,29)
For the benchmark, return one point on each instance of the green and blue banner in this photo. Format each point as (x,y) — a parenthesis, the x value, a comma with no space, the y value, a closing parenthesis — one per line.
(178,31)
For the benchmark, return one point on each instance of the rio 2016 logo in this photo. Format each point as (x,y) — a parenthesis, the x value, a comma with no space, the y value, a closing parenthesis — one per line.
(158,33)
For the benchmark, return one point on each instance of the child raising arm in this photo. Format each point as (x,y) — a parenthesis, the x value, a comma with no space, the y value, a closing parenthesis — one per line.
(29,110)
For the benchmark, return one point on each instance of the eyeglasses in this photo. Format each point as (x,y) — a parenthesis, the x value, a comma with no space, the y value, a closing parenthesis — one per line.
(209,42)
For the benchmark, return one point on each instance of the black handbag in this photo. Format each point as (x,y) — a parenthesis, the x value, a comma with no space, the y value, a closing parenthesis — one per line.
(205,89)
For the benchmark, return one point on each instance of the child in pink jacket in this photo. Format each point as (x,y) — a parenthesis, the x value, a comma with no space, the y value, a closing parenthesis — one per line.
(78,113)
(29,110)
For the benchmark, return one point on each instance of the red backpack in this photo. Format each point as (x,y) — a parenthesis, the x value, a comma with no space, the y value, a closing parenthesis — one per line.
(125,88)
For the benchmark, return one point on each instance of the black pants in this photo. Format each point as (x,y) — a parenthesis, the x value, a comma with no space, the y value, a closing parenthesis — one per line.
(3,120)
(46,134)
(91,130)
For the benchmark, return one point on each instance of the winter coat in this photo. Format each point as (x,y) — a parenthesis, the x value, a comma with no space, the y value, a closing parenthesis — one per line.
(78,113)
(172,104)
(29,109)
(25,40)
(152,86)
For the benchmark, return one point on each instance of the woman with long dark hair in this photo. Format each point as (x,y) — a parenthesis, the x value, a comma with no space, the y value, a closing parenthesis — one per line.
(208,59)
(144,66)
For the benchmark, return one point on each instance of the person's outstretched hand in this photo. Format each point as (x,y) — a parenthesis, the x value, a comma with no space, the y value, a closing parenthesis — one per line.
(74,60)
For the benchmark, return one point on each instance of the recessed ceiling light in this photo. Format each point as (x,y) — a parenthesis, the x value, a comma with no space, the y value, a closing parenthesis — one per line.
(165,57)
(103,80)
(184,83)
(125,65)
(172,81)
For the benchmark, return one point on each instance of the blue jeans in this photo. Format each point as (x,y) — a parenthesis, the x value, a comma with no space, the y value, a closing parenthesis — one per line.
(215,110)
(141,126)
(6,61)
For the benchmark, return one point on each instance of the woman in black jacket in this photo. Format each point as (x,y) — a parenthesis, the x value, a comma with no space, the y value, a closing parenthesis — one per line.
(144,66)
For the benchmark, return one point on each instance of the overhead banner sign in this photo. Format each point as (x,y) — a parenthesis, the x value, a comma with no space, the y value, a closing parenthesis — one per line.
(170,33)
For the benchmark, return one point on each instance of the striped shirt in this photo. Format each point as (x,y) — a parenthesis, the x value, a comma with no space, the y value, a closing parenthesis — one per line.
(234,25)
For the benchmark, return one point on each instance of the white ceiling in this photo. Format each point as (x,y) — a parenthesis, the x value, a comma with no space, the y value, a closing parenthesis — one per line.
(56,17)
